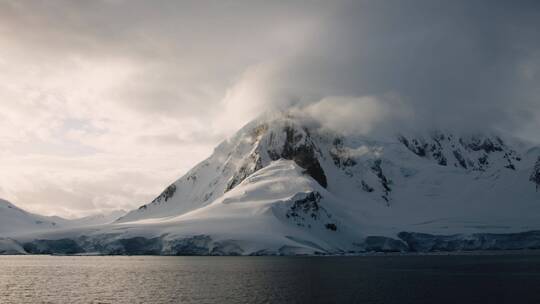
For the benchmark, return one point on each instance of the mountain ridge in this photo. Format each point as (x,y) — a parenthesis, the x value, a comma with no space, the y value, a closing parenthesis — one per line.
(472,154)
(286,185)
(15,220)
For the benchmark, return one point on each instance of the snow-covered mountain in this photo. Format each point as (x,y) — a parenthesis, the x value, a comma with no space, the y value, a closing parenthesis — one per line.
(286,185)
(14,220)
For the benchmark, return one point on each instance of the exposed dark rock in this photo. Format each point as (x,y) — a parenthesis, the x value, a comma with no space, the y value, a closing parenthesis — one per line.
(416,146)
(166,194)
(297,147)
(252,165)
(424,149)
(305,210)
(508,156)
(331,226)
(510,166)
(485,144)
(163,197)
(460,159)
(420,148)
(439,156)
(303,155)
(306,206)
(340,156)
(483,161)
(367,187)
(433,148)
(535,175)
(404,141)
(385,182)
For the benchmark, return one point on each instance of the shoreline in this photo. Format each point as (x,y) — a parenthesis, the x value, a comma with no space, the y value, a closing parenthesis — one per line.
(368,254)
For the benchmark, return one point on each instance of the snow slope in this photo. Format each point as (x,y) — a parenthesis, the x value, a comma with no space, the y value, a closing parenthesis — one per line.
(14,220)
(96,219)
(285,185)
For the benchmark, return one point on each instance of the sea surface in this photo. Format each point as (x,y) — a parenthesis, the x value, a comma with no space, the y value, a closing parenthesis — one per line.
(365,279)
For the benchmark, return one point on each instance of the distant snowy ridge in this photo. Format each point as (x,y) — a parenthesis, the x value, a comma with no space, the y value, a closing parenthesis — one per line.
(286,185)
(14,220)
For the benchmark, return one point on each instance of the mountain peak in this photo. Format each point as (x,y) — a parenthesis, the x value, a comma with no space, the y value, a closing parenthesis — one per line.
(286,184)
(337,162)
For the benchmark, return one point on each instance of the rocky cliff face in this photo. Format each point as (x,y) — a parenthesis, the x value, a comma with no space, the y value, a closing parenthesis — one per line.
(286,141)
(477,152)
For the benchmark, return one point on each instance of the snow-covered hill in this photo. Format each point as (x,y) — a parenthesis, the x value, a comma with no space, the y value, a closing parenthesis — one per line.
(14,220)
(286,185)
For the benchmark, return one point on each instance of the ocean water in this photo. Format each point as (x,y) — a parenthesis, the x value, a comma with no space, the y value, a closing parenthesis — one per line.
(367,279)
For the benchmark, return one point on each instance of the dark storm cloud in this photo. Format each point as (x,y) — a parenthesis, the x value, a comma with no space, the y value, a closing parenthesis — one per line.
(454,63)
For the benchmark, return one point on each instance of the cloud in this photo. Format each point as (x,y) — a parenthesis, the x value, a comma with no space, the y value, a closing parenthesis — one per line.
(455,64)
(357,115)
(133,88)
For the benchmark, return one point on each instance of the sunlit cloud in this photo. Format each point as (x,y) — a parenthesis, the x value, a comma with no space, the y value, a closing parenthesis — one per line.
(104,103)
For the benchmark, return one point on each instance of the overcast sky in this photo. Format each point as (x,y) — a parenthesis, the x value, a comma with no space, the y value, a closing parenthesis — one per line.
(104,103)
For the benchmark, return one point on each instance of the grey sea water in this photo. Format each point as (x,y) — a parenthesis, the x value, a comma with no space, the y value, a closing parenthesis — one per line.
(373,279)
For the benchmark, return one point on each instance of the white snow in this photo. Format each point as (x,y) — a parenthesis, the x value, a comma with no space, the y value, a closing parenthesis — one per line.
(246,196)
(14,220)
